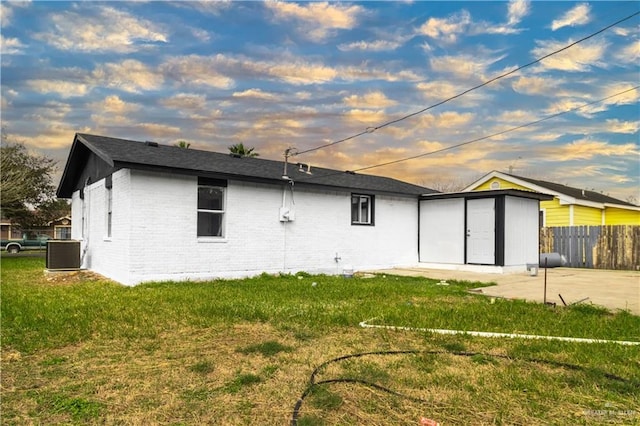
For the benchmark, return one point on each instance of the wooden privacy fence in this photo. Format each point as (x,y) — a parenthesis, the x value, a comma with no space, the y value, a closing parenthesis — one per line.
(599,247)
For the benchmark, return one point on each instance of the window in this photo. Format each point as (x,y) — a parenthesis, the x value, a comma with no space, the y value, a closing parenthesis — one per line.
(211,207)
(362,209)
(62,232)
(108,184)
(495,184)
(109,211)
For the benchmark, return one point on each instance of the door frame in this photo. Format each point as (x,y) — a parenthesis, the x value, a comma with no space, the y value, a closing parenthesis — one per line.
(499,205)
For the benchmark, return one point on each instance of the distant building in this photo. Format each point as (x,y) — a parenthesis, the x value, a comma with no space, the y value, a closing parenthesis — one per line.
(59,229)
(570,206)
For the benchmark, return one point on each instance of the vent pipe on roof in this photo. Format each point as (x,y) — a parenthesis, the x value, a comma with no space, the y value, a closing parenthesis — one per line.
(150,143)
(289,152)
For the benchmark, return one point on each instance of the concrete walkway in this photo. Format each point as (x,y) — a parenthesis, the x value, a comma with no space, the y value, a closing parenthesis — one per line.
(611,289)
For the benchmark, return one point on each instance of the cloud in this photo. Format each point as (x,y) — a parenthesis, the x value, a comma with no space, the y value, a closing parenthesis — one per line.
(205,7)
(215,71)
(446,120)
(585,149)
(365,72)
(536,85)
(130,76)
(630,54)
(369,100)
(185,101)
(518,9)
(208,70)
(371,46)
(159,130)
(6,11)
(200,34)
(316,21)
(440,90)
(542,136)
(365,116)
(199,70)
(65,89)
(114,105)
(617,126)
(446,29)
(53,135)
(255,94)
(516,117)
(578,15)
(569,104)
(109,30)
(10,46)
(580,57)
(619,94)
(465,67)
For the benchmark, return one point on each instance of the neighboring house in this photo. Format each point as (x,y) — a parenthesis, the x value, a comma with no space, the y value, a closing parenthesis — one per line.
(570,206)
(146,212)
(9,230)
(59,229)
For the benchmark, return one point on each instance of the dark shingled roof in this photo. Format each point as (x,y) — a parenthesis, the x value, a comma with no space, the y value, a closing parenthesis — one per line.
(122,153)
(576,193)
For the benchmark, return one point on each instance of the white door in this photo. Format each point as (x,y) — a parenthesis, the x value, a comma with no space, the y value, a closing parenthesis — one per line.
(481,222)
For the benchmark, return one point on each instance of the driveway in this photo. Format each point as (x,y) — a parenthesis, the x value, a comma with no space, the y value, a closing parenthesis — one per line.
(611,289)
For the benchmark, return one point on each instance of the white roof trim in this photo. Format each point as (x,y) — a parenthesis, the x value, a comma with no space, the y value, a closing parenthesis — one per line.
(563,198)
(620,206)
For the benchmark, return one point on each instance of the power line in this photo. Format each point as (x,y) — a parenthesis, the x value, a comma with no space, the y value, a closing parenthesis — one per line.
(512,129)
(413,114)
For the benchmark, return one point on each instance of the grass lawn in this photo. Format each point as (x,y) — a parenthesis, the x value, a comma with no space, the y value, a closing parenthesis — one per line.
(83,350)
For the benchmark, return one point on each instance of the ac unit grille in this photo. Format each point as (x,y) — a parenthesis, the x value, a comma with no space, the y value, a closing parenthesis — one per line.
(63,254)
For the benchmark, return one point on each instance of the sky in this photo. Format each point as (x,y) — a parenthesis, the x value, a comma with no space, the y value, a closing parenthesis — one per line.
(303,75)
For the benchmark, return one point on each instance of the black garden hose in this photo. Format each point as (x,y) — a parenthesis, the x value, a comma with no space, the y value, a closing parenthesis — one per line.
(313,383)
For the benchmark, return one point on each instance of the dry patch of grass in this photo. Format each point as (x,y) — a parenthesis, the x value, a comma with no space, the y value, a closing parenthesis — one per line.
(255,373)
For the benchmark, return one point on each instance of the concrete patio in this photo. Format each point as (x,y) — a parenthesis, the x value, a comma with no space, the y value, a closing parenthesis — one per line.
(612,289)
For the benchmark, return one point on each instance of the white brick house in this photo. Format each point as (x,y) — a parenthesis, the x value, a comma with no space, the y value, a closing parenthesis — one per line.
(148,212)
(144,212)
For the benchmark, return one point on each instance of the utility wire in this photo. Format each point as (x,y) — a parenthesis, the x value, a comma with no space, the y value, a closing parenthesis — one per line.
(532,123)
(512,129)
(413,114)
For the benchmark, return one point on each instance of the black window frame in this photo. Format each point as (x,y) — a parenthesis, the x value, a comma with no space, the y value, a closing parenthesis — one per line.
(372,209)
(212,184)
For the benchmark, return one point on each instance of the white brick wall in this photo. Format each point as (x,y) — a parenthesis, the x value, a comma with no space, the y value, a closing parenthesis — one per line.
(155,236)
(107,256)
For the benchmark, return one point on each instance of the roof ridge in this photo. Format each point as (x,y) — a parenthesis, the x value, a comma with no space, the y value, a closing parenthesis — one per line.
(583,192)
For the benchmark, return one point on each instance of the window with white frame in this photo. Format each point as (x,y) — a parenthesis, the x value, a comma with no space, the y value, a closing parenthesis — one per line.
(362,209)
(211,205)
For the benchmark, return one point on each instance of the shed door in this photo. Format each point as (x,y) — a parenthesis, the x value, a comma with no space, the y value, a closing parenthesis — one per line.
(481,224)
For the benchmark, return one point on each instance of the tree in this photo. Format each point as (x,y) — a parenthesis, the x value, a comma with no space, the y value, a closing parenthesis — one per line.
(445,185)
(243,151)
(183,144)
(25,182)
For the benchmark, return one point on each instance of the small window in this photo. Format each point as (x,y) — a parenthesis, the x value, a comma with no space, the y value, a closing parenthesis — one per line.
(362,209)
(109,211)
(495,184)
(210,211)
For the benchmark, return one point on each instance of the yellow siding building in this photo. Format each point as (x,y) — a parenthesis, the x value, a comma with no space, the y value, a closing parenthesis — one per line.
(570,206)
